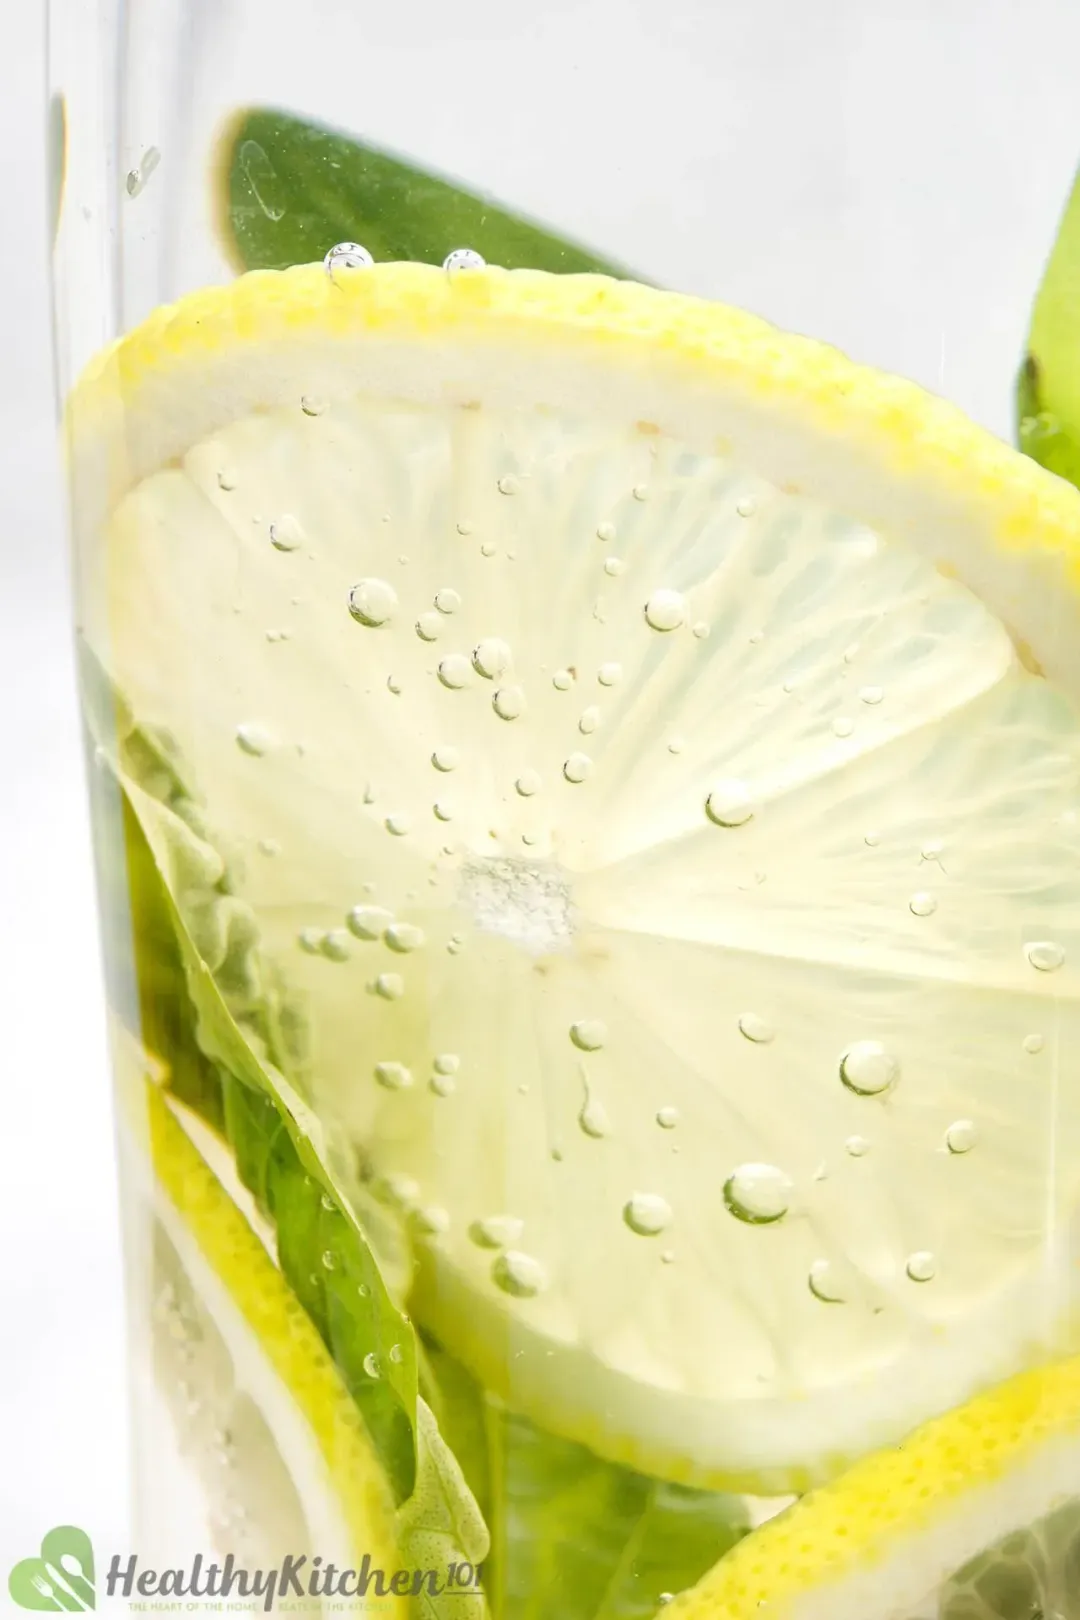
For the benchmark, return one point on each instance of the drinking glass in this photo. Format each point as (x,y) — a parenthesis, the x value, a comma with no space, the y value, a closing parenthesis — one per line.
(525,1198)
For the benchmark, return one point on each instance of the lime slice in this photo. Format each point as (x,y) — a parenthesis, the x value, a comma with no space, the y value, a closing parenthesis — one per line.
(620,724)
(975,1517)
(260,1409)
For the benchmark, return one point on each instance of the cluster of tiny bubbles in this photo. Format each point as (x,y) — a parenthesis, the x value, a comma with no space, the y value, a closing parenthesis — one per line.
(665,610)
(496,1231)
(347,256)
(667,1118)
(923,903)
(756,1029)
(372,602)
(577,767)
(823,1283)
(369,922)
(868,1068)
(334,945)
(593,1119)
(1045,955)
(253,739)
(961,1136)
(588,1034)
(758,1194)
(647,1214)
(393,1076)
(729,804)
(390,986)
(286,533)
(921,1266)
(518,1274)
(463,259)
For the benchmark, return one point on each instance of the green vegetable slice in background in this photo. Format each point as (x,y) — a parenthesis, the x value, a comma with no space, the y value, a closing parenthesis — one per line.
(1048,387)
(288,190)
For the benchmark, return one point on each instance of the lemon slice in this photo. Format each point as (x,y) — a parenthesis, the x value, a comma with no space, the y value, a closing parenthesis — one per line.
(260,1411)
(976,1516)
(621,726)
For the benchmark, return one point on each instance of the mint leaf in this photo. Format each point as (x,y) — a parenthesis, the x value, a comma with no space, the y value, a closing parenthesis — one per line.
(1048,386)
(289,190)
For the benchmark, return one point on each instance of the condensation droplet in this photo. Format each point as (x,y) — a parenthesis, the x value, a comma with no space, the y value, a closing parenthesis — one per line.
(368,922)
(605,531)
(372,602)
(454,671)
(347,256)
(647,1214)
(577,767)
(429,626)
(528,783)
(868,1068)
(335,945)
(665,610)
(609,674)
(371,1365)
(398,823)
(871,694)
(518,1274)
(286,533)
(961,1136)
(1033,1044)
(491,657)
(496,1231)
(509,702)
(391,986)
(589,721)
(447,600)
(824,1284)
(588,1034)
(403,937)
(921,1266)
(562,680)
(756,1029)
(758,1194)
(462,259)
(446,758)
(857,1146)
(729,804)
(1045,955)
(843,726)
(667,1118)
(253,739)
(393,1076)
(923,904)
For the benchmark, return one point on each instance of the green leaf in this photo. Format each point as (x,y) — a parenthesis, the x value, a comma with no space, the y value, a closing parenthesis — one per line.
(574,1537)
(1048,387)
(289,190)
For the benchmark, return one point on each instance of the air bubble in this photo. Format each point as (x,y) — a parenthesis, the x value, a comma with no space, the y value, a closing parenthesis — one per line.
(463,259)
(347,256)
(335,945)
(269,846)
(286,533)
(746,506)
(676,745)
(613,567)
(605,532)
(454,671)
(593,1119)
(447,600)
(609,674)
(488,548)
(857,1147)
(226,479)
(446,758)
(393,1076)
(463,527)
(429,626)
(393,684)
(447,1063)
(371,1365)
(729,804)
(443,1085)
(368,922)
(758,1194)
(667,1118)
(824,1284)
(577,767)
(701,630)
(491,657)
(756,1029)
(372,602)
(518,1274)
(872,839)
(641,492)
(310,940)
(871,694)
(562,680)
(528,783)
(404,937)
(961,1136)
(509,485)
(312,406)
(647,1214)
(329,1260)
(843,726)
(390,986)
(509,702)
(1033,1044)
(399,824)
(923,904)
(254,740)
(868,1068)
(588,1034)
(665,610)
(1045,955)
(921,1266)
(496,1231)
(589,721)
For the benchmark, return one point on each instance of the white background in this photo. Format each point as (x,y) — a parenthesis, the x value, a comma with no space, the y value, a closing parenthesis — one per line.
(885,175)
